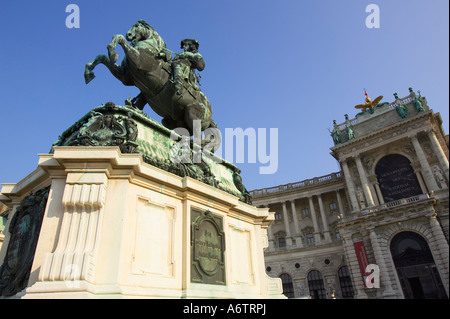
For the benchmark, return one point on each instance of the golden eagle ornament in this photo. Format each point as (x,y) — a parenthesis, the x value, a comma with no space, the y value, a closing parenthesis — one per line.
(369,103)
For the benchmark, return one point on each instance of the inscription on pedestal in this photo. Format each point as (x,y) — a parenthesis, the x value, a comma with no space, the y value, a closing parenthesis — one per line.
(207,248)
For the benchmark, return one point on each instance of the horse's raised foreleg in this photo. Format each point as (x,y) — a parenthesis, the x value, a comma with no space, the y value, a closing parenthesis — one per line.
(120,72)
(88,73)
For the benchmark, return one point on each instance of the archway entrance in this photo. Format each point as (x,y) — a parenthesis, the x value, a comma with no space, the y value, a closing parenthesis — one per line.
(415,267)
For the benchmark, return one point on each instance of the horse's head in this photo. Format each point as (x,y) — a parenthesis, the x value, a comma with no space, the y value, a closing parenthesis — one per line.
(141,31)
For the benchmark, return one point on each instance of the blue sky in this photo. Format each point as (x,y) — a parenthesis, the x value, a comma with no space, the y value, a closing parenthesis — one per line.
(291,65)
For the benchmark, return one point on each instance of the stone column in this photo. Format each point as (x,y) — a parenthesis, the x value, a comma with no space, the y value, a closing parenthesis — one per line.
(271,238)
(374,194)
(364,181)
(298,238)
(379,259)
(441,245)
(286,226)
(439,152)
(422,184)
(326,231)
(380,195)
(426,169)
(350,187)
(417,170)
(314,220)
(270,235)
(339,200)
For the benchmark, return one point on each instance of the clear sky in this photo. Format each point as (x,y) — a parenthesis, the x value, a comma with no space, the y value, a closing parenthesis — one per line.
(290,65)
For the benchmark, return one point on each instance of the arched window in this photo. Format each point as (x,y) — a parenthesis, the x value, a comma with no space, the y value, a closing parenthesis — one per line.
(288,286)
(396,178)
(415,267)
(316,286)
(345,282)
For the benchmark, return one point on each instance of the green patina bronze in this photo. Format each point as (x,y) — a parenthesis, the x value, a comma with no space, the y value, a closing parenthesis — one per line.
(417,101)
(24,228)
(207,248)
(134,132)
(402,109)
(168,86)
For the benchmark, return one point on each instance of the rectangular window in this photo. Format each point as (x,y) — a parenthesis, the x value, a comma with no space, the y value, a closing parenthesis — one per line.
(333,206)
(305,212)
(338,235)
(310,239)
(281,242)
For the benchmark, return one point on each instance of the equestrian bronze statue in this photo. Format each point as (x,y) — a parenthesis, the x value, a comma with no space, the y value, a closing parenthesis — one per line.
(169,86)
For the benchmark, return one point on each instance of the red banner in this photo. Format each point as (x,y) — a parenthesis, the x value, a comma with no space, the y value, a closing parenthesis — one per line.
(360,251)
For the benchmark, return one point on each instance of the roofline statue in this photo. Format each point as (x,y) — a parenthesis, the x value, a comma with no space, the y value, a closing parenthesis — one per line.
(168,86)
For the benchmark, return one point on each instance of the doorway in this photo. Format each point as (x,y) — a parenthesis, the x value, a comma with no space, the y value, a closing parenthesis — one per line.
(416,268)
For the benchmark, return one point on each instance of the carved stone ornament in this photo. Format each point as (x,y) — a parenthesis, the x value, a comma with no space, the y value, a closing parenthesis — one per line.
(207,248)
(24,228)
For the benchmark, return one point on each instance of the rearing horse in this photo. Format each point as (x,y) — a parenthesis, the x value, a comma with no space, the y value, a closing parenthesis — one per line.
(147,65)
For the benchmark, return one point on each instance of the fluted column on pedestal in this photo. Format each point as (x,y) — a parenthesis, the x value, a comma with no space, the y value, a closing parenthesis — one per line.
(75,254)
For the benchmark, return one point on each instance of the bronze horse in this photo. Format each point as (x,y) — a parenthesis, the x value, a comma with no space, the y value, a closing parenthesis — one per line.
(147,65)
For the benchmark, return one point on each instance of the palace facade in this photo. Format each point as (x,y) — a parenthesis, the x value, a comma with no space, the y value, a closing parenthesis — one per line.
(379,227)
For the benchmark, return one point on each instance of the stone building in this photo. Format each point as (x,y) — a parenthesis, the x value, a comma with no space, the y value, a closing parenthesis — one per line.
(385,212)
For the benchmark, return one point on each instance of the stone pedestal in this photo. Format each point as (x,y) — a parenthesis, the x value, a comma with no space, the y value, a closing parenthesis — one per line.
(116,227)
